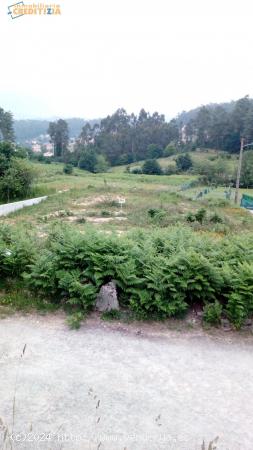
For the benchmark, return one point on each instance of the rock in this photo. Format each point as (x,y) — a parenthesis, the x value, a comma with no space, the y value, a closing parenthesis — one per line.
(248,323)
(225,323)
(191,321)
(107,298)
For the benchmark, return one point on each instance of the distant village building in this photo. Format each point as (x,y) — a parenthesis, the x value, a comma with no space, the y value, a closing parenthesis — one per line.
(49,147)
(36,148)
(71,146)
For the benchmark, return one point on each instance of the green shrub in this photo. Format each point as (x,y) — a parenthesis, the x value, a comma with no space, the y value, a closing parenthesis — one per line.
(171,285)
(105,213)
(17,251)
(88,159)
(158,296)
(101,165)
(240,299)
(158,216)
(152,212)
(151,167)
(215,218)
(190,217)
(184,162)
(74,266)
(218,172)
(200,215)
(41,275)
(212,313)
(17,180)
(201,281)
(136,171)
(68,169)
(74,320)
(156,212)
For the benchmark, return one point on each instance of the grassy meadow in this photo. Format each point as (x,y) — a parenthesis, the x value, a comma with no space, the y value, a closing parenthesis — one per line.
(197,156)
(84,199)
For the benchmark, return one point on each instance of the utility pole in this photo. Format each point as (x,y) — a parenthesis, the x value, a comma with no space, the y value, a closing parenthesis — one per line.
(239,172)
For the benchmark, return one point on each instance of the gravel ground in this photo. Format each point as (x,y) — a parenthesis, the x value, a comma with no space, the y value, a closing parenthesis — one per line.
(120,387)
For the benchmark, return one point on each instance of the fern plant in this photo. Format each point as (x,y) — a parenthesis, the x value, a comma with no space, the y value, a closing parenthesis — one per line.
(240,299)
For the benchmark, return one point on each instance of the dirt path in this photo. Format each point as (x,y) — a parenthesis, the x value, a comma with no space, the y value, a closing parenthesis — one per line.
(131,389)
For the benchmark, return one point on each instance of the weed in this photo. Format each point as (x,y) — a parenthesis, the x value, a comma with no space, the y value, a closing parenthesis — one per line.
(113,314)
(105,213)
(23,300)
(81,220)
(212,313)
(216,218)
(65,213)
(190,217)
(74,320)
(200,215)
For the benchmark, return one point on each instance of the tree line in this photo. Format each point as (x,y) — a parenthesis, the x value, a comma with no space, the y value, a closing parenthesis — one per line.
(117,139)
(123,138)
(218,126)
(16,174)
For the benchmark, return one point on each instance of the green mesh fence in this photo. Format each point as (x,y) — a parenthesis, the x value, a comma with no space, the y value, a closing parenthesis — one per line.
(247,201)
(189,185)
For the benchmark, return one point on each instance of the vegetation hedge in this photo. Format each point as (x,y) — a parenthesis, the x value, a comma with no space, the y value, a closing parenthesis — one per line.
(158,275)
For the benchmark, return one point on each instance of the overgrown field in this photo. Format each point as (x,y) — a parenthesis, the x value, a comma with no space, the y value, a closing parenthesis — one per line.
(197,157)
(167,248)
(150,201)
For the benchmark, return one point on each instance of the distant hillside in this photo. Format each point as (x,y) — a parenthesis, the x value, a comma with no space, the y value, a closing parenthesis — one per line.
(27,130)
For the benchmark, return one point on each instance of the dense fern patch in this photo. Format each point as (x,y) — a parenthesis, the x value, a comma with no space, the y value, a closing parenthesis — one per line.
(158,275)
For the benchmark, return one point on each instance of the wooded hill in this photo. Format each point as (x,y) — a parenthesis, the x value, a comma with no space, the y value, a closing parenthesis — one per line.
(124,138)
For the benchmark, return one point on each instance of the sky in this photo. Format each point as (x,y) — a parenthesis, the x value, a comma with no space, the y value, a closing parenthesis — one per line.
(100,55)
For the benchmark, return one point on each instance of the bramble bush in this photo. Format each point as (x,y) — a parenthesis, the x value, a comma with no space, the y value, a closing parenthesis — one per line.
(158,275)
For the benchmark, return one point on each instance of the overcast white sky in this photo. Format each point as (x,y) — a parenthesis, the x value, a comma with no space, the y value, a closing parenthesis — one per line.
(99,55)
